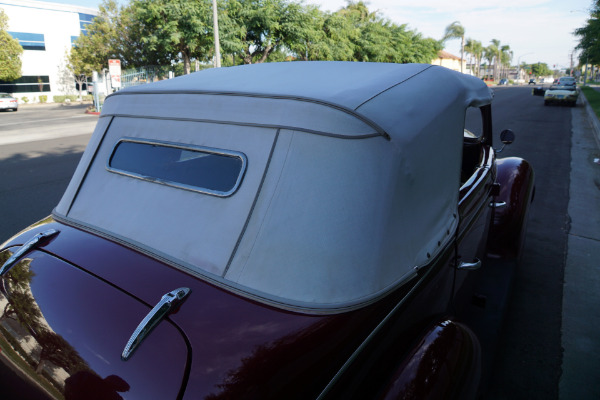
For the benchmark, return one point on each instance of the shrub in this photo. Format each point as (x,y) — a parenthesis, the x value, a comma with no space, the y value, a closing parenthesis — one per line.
(88,97)
(25,99)
(59,99)
(72,97)
(43,98)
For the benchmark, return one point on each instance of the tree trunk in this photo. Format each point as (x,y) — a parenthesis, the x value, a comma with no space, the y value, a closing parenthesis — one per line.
(187,66)
(265,54)
(462,52)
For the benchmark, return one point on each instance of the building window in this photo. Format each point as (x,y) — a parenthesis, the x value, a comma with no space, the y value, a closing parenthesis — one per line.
(84,21)
(27,84)
(30,41)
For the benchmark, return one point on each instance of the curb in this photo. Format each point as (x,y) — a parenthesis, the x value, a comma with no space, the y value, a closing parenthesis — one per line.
(592,117)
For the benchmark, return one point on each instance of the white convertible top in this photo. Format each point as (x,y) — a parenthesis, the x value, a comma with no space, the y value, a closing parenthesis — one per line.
(351,177)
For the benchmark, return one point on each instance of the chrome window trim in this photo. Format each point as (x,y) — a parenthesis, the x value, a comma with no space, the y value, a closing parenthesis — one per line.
(189,147)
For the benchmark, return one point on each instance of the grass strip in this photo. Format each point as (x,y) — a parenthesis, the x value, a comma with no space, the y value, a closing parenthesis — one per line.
(593,98)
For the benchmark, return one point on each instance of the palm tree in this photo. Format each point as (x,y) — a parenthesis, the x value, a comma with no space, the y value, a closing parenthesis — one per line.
(469,49)
(456,31)
(475,49)
(490,53)
(506,57)
(478,50)
(497,51)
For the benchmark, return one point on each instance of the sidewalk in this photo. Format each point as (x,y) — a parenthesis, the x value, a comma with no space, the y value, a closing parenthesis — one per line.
(581,290)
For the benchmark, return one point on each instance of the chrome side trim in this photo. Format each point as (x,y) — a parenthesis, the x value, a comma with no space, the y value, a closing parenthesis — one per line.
(160,311)
(27,247)
(469,266)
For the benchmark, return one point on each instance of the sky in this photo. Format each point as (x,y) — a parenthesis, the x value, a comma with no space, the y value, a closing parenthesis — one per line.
(535,30)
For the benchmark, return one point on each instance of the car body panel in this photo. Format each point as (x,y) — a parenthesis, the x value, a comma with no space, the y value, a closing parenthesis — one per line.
(250,246)
(509,221)
(75,341)
(561,95)
(352,244)
(443,366)
(230,335)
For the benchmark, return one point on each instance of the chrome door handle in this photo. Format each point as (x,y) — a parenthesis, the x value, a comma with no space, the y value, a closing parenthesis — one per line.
(27,247)
(470,266)
(497,204)
(165,306)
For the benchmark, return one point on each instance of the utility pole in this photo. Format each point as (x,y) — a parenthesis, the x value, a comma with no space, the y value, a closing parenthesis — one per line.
(216,30)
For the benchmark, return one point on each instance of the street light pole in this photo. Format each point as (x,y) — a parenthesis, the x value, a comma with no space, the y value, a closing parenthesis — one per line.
(216,30)
(519,64)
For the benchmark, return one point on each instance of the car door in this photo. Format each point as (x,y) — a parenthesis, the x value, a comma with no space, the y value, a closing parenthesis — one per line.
(475,204)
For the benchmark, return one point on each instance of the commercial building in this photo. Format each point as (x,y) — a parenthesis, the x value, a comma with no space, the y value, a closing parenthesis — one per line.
(46,31)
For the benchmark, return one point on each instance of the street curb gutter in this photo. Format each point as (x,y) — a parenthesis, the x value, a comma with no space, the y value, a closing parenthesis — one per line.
(592,117)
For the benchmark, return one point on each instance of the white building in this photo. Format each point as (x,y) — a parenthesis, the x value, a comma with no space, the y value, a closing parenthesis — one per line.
(46,32)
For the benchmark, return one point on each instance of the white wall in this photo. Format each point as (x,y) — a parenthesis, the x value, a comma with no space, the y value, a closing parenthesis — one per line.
(58,22)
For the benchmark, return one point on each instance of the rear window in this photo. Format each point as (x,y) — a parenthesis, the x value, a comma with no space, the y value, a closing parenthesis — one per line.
(200,169)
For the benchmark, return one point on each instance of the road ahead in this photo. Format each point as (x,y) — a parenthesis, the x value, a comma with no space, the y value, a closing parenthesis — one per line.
(34,174)
(529,359)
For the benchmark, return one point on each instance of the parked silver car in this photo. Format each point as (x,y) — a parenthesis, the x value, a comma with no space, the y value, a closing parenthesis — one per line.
(8,102)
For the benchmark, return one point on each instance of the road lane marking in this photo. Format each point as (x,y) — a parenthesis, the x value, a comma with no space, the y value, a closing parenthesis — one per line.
(46,120)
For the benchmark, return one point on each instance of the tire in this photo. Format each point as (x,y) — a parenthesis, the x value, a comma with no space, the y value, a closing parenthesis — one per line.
(546,102)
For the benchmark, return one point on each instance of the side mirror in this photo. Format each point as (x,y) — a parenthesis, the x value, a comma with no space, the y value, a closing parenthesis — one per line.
(506,137)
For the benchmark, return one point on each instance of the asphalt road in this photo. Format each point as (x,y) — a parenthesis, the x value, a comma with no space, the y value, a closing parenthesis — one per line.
(528,364)
(35,172)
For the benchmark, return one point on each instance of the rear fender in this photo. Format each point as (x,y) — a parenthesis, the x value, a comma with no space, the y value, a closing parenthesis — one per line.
(446,364)
(511,208)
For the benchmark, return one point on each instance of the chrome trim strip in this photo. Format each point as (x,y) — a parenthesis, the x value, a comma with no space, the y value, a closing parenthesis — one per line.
(469,266)
(190,147)
(31,244)
(160,311)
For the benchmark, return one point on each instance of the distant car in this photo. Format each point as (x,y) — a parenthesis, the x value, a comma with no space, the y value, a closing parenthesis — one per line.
(284,230)
(8,102)
(565,92)
(531,82)
(566,81)
(538,91)
(503,81)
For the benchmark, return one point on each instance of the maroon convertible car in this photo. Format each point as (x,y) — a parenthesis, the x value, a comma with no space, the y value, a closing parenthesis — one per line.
(301,230)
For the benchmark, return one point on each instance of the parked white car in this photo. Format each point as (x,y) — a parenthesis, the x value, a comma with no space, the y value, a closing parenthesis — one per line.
(8,102)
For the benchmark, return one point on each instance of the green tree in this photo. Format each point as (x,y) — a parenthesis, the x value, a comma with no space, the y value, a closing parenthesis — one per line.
(475,48)
(306,39)
(589,37)
(263,27)
(107,38)
(10,52)
(497,50)
(79,65)
(489,54)
(505,58)
(456,31)
(540,69)
(174,30)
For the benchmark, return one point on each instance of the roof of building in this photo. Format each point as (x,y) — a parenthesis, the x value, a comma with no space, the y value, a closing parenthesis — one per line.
(445,54)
